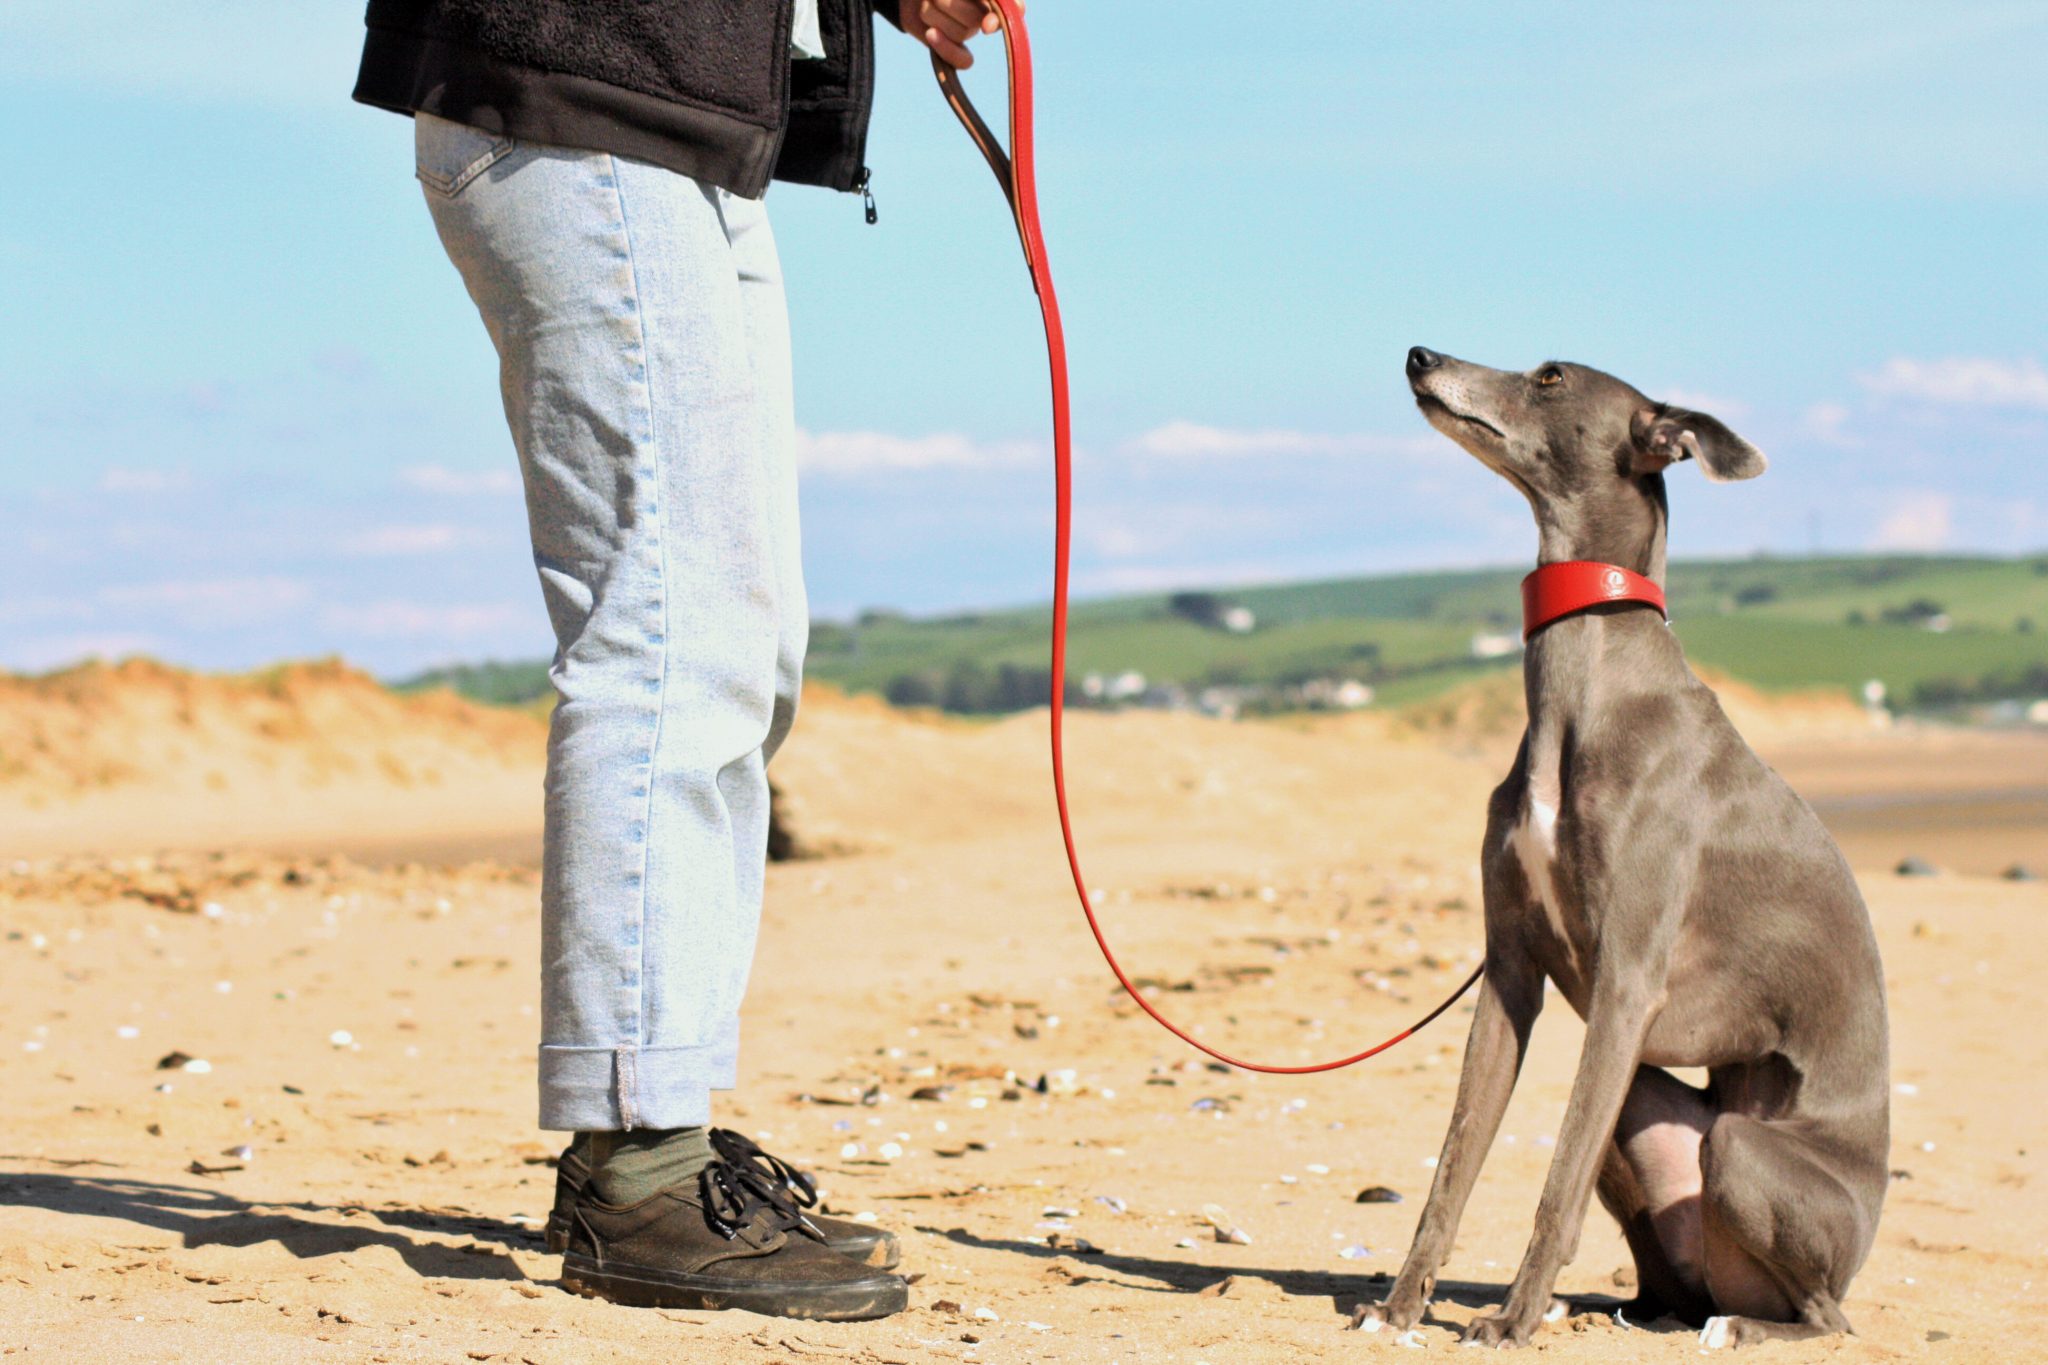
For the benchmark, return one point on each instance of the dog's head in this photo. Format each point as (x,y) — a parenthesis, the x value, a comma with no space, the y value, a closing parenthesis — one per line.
(1568,434)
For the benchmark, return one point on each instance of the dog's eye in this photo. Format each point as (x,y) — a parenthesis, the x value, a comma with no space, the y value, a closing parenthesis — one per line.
(1551,376)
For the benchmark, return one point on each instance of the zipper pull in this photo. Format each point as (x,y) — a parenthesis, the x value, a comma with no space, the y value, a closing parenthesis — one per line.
(867,195)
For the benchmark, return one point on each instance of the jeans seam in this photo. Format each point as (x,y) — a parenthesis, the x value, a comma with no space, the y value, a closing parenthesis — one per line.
(652,435)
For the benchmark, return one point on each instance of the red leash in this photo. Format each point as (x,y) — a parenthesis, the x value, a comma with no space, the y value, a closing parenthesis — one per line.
(1017,173)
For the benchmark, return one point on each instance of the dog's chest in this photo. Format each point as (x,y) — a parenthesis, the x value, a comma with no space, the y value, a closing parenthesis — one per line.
(1532,842)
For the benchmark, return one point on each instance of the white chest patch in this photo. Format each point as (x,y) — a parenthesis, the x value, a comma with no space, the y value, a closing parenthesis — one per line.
(1533,840)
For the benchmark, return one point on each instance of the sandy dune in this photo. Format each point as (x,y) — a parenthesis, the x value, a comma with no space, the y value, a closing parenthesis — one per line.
(1294,888)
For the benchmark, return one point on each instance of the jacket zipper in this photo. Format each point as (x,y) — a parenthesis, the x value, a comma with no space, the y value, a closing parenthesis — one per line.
(867,195)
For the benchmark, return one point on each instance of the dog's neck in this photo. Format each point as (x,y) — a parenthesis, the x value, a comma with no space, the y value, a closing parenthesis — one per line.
(1575,666)
(1625,526)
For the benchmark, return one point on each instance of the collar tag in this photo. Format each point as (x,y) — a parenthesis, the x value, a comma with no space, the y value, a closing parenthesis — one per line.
(1555,591)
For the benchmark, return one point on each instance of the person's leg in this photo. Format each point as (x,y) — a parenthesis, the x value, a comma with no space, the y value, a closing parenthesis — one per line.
(614,292)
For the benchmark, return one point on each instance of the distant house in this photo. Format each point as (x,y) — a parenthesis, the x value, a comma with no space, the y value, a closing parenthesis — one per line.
(1495,644)
(1351,694)
(1238,620)
(1126,686)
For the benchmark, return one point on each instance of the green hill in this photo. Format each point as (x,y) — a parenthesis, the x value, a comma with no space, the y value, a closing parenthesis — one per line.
(1935,630)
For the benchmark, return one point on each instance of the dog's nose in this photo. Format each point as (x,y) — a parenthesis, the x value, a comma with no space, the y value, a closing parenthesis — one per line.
(1421,358)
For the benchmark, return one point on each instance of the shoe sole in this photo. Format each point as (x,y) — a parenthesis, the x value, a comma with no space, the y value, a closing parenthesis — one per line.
(643,1287)
(885,1253)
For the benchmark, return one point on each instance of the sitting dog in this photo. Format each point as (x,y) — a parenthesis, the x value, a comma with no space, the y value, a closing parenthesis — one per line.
(1679,895)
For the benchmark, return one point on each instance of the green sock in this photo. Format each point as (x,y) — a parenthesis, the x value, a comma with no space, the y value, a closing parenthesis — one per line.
(627,1167)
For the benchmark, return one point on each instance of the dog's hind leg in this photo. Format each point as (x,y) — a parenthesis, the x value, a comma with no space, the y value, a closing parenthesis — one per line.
(1650,1182)
(1784,1233)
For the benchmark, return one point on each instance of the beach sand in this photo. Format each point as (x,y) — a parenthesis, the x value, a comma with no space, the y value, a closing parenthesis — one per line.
(353,1173)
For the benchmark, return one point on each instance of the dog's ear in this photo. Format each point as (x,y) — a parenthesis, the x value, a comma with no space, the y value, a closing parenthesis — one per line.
(1664,434)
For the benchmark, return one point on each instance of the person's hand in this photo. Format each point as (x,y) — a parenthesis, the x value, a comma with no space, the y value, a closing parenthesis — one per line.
(944,26)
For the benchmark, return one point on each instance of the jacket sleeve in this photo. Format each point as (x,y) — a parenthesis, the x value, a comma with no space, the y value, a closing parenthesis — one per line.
(892,10)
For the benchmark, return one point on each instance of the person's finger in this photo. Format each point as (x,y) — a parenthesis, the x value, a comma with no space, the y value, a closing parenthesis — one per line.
(992,21)
(956,29)
(968,14)
(955,54)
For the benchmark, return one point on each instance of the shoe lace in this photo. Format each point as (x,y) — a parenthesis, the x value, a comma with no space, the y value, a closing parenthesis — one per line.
(743,1153)
(735,1195)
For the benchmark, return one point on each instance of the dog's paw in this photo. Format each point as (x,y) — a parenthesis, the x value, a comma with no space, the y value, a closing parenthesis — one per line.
(1715,1334)
(1497,1330)
(1388,1316)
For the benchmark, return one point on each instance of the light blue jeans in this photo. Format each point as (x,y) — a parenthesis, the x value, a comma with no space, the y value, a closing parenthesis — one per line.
(643,347)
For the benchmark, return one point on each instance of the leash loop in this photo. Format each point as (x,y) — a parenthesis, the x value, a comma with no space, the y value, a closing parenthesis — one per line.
(1016,172)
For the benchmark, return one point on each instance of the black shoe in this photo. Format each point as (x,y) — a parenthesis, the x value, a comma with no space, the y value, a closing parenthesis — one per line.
(861,1242)
(720,1241)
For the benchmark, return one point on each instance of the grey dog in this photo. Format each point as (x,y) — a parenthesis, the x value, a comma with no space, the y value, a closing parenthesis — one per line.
(1642,860)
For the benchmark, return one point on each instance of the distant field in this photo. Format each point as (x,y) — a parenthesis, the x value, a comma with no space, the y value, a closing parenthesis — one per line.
(1935,631)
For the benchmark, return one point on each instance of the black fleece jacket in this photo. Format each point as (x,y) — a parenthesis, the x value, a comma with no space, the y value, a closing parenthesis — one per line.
(704,87)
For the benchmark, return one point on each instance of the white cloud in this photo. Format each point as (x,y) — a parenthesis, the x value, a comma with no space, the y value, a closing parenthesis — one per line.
(1828,424)
(1917,521)
(1193,440)
(396,618)
(434,478)
(211,603)
(383,542)
(1965,381)
(859,452)
(116,479)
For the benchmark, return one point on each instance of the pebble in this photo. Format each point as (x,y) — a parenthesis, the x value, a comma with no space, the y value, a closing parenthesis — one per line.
(987,1315)
(1377,1194)
(1915,867)
(242,1153)
(1055,1211)
(198,1066)
(889,1151)
(341,1037)
(2020,872)
(1354,1253)
(127,1031)
(1112,1203)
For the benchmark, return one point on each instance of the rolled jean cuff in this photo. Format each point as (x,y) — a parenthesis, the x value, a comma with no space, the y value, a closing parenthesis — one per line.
(611,1089)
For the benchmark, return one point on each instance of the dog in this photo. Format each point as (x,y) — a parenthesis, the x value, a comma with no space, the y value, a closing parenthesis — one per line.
(1642,860)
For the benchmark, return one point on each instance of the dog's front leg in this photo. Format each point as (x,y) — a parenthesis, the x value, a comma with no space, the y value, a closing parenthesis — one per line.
(1510,997)
(1624,1001)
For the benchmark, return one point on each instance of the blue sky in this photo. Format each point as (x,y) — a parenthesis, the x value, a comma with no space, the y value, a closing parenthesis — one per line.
(250,413)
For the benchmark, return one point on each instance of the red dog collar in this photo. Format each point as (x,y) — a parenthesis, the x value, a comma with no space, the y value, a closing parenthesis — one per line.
(1555,591)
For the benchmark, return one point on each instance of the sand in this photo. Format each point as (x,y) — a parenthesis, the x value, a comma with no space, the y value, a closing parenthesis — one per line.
(1295,889)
